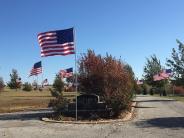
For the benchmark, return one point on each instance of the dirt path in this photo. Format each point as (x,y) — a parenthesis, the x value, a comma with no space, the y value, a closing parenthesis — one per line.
(156,118)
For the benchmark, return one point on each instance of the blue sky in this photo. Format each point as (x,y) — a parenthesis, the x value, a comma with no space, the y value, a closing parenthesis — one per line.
(132,29)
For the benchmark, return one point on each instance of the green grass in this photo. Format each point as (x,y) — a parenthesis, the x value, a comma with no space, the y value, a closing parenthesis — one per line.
(175,97)
(12,100)
(178,98)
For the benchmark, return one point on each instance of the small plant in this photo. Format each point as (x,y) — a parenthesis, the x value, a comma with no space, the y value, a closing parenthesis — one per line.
(27,86)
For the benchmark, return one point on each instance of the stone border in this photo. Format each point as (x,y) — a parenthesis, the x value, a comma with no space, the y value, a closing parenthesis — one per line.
(128,117)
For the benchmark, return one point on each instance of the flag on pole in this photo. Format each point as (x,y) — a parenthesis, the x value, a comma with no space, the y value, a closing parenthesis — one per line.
(66,73)
(157,77)
(164,74)
(36,69)
(45,82)
(60,42)
(139,82)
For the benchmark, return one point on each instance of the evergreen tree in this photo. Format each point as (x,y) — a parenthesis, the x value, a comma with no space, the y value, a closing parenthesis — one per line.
(15,80)
(57,86)
(176,63)
(152,67)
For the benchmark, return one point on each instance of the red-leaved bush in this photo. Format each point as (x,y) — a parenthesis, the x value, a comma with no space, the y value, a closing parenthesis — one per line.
(107,77)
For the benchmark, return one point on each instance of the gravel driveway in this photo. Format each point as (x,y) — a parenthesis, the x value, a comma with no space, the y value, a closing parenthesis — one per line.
(156,118)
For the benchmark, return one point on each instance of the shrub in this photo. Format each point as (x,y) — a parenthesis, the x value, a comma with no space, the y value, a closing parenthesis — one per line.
(59,104)
(27,86)
(35,85)
(107,77)
(139,89)
(1,84)
(146,89)
(151,91)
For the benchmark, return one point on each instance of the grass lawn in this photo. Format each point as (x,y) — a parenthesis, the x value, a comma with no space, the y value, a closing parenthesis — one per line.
(175,97)
(178,98)
(12,100)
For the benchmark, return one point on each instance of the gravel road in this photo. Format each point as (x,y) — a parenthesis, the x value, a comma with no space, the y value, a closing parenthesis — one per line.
(156,118)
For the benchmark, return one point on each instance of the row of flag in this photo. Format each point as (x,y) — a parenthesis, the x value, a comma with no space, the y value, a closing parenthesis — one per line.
(37,69)
(164,74)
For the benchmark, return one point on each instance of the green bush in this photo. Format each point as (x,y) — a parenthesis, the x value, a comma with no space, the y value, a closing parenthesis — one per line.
(27,86)
(1,84)
(146,89)
(59,103)
(35,85)
(151,91)
(107,77)
(58,84)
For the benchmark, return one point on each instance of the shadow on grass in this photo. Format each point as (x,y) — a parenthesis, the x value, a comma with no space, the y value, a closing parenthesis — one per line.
(168,122)
(30,115)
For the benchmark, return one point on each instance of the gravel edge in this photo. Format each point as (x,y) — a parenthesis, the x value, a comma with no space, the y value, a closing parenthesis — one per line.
(129,116)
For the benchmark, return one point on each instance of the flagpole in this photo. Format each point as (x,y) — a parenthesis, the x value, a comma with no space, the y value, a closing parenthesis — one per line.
(42,74)
(75,74)
(37,80)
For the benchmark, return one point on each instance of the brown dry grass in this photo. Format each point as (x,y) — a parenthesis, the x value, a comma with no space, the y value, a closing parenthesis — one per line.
(12,100)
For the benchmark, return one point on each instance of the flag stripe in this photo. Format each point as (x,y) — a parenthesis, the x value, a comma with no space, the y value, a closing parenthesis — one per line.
(57,49)
(47,39)
(42,35)
(48,42)
(60,45)
(61,54)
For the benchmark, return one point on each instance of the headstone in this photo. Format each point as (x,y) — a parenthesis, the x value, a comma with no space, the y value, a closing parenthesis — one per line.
(87,102)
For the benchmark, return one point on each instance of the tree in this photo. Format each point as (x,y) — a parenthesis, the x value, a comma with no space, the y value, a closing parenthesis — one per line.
(58,84)
(57,87)
(27,87)
(132,77)
(59,103)
(176,63)
(1,84)
(152,67)
(15,80)
(107,77)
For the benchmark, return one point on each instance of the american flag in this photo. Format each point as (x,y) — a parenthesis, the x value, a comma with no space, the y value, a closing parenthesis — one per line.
(164,74)
(139,82)
(45,82)
(66,73)
(60,42)
(36,69)
(157,77)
